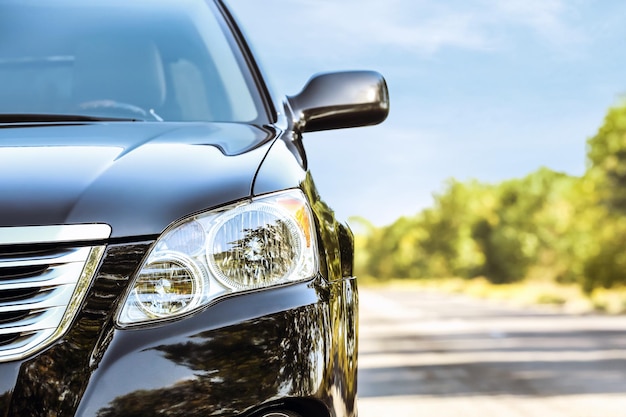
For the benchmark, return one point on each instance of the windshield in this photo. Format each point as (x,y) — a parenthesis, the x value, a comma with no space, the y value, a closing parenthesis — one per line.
(148,60)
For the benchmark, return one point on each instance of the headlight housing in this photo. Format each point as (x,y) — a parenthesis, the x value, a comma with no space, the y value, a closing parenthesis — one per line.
(261,243)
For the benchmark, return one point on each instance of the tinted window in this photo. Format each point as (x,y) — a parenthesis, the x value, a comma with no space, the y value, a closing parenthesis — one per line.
(145,59)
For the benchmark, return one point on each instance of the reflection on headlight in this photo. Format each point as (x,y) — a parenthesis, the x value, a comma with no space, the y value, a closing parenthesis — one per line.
(255,249)
(266,242)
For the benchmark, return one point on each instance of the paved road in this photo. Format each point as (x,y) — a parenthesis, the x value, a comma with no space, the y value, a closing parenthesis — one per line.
(427,354)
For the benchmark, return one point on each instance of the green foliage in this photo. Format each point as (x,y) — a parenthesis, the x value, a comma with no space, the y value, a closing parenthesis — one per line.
(568,229)
(604,261)
(607,160)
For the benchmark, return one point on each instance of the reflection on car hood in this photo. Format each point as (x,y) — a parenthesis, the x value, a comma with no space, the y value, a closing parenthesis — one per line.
(136,177)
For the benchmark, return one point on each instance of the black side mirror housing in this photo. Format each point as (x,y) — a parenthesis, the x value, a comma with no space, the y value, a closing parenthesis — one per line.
(340,100)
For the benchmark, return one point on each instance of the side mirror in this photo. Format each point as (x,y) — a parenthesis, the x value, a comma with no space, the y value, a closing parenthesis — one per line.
(339,100)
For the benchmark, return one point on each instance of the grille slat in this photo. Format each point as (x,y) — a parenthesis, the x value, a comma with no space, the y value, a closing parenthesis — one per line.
(56,257)
(21,272)
(11,296)
(54,297)
(17,253)
(13,316)
(49,319)
(54,275)
(8,339)
(40,288)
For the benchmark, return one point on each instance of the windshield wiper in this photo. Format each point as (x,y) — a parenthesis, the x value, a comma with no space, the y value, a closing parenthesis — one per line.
(19,118)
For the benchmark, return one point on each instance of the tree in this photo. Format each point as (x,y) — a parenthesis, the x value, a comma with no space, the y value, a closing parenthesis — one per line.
(604,264)
(607,160)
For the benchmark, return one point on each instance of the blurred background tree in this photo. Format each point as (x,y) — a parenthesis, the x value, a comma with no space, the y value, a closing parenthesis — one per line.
(548,224)
(604,263)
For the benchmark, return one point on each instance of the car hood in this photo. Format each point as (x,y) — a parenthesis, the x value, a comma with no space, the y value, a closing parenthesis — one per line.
(136,177)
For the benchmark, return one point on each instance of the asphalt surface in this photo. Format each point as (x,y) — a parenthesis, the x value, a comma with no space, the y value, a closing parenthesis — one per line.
(429,354)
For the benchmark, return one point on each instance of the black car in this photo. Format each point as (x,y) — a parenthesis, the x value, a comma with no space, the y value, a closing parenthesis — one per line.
(163,249)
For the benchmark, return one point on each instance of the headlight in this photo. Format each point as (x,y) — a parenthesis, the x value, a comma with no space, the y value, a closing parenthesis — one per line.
(265,242)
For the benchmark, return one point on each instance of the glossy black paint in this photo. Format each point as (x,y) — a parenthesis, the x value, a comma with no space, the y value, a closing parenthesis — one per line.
(224,361)
(340,100)
(136,177)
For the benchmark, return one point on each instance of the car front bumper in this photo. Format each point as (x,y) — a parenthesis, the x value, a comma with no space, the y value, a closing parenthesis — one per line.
(289,348)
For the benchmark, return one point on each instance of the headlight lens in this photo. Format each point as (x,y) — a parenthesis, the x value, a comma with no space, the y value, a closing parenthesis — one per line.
(266,242)
(168,286)
(252,249)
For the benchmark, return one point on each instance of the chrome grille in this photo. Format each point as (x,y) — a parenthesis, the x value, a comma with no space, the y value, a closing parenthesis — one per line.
(41,290)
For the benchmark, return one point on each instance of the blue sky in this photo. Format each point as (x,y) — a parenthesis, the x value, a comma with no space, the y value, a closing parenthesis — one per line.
(480,89)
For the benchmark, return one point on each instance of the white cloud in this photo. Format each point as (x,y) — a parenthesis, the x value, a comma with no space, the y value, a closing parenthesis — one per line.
(550,19)
(418,26)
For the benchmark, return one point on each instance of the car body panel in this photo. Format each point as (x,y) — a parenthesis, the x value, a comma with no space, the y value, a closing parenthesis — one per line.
(90,173)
